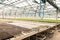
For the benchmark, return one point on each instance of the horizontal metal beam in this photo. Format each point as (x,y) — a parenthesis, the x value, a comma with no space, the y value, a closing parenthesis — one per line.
(18,2)
(9,5)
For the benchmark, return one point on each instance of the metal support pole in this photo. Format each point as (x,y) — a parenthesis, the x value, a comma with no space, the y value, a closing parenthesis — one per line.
(41,13)
(56,15)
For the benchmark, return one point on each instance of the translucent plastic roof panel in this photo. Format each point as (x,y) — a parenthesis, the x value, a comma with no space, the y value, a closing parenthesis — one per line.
(18,3)
(10,1)
(30,2)
(22,4)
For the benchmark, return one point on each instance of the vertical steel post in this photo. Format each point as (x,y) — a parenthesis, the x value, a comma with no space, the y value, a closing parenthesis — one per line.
(41,13)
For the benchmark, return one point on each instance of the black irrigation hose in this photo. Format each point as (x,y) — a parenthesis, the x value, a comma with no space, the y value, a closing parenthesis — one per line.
(51,3)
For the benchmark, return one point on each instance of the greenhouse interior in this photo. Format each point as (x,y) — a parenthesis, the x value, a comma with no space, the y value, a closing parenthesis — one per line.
(29,19)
